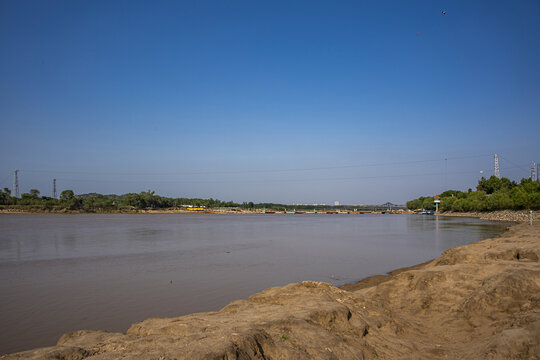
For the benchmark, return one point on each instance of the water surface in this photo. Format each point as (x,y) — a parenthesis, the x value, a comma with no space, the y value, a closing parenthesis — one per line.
(60,273)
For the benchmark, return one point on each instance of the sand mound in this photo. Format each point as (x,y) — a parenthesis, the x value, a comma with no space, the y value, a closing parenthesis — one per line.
(480,301)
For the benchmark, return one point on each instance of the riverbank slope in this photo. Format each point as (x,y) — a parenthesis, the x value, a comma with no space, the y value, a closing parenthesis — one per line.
(518,216)
(479,301)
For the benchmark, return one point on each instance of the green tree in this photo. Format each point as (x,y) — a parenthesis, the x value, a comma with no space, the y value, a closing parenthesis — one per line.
(447,203)
(428,203)
(493,184)
(506,184)
(500,200)
(414,204)
(135,200)
(447,193)
(534,201)
(459,205)
(34,193)
(519,198)
(67,195)
(5,197)
(477,201)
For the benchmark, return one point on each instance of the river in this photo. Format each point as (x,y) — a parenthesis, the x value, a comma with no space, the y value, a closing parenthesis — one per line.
(60,273)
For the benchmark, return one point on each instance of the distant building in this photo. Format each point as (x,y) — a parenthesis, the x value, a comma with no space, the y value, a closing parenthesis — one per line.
(336,203)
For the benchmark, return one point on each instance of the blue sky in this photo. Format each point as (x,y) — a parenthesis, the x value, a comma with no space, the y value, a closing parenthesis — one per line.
(296,102)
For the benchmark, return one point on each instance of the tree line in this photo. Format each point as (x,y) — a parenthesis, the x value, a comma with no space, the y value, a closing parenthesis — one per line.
(94,202)
(490,195)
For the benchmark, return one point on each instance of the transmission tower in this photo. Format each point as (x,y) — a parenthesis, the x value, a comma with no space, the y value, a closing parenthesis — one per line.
(54,188)
(16,184)
(497,171)
(533,172)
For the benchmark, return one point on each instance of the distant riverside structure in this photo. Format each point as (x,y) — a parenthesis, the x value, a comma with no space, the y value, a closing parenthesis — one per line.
(497,172)
(437,201)
(54,188)
(336,203)
(16,184)
(534,174)
(389,205)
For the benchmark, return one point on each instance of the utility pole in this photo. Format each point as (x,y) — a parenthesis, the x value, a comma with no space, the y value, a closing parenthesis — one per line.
(54,188)
(16,184)
(497,171)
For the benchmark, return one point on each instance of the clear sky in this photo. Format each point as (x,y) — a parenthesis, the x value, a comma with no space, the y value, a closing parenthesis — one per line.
(280,101)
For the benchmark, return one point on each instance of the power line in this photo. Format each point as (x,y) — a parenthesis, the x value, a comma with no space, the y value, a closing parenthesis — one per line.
(246,181)
(513,163)
(307,180)
(257,171)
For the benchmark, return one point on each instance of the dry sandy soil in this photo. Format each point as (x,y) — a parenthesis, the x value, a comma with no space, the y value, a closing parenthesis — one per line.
(480,301)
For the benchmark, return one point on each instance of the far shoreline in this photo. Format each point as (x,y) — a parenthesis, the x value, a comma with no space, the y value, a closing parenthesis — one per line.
(516,216)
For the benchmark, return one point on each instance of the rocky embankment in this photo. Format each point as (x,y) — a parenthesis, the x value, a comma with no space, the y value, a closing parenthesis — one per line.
(480,301)
(502,215)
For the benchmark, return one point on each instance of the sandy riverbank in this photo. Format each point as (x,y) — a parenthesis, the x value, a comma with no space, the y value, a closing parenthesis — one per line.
(479,301)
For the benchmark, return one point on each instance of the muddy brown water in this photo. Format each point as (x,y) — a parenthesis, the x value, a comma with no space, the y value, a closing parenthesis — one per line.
(60,273)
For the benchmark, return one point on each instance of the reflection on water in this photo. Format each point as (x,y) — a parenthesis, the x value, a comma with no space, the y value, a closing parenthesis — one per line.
(60,273)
